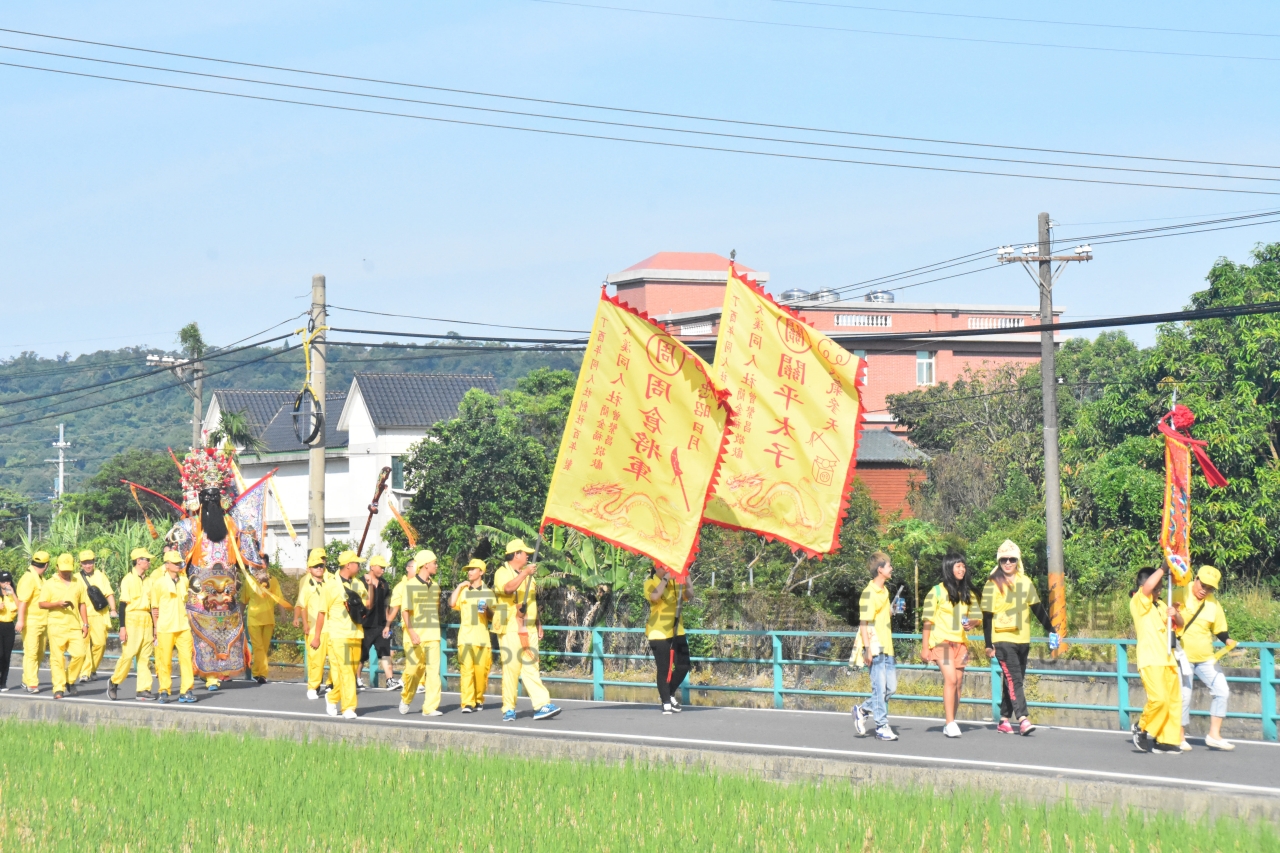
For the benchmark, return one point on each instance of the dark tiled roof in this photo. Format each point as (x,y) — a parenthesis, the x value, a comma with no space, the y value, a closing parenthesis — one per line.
(259,406)
(279,436)
(881,445)
(417,399)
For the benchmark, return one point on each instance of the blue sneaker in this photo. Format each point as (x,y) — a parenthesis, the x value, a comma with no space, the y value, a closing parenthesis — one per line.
(546,712)
(187,698)
(214,688)
(508,716)
(163,698)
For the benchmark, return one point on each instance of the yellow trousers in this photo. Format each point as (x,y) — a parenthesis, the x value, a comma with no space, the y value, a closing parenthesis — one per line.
(35,642)
(422,666)
(139,648)
(99,624)
(474,665)
(520,666)
(315,662)
(260,639)
(344,662)
(69,641)
(1162,715)
(166,642)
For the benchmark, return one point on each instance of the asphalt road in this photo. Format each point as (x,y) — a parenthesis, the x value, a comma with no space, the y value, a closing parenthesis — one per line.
(1253,768)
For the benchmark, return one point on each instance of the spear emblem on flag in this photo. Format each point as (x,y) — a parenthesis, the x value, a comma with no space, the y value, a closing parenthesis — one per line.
(675,468)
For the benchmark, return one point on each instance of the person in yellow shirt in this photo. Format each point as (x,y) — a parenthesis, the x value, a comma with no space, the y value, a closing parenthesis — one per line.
(514,615)
(99,617)
(875,615)
(420,635)
(8,616)
(474,602)
(1162,715)
(947,610)
(173,630)
(305,611)
(32,622)
(1009,600)
(136,628)
(261,595)
(665,631)
(340,595)
(63,599)
(1203,620)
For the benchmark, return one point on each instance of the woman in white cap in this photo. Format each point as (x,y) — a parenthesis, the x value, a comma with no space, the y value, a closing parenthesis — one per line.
(1009,599)
(515,615)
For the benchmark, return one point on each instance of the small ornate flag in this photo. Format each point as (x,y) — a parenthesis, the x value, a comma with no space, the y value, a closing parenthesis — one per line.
(796,394)
(643,442)
(1175,530)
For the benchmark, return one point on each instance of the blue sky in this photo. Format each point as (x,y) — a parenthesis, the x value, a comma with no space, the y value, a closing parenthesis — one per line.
(130,211)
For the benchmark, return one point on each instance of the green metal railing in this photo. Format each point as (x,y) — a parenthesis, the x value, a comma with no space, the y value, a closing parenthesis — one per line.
(1122,675)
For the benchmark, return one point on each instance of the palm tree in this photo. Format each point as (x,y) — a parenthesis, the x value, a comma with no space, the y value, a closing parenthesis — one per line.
(234,432)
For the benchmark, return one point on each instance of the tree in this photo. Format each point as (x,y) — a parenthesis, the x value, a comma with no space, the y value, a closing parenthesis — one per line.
(233,428)
(191,341)
(105,500)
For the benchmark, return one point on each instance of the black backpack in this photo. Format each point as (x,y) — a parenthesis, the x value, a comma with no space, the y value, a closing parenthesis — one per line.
(96,598)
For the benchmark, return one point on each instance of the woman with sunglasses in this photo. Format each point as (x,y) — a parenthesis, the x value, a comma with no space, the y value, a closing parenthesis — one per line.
(1009,599)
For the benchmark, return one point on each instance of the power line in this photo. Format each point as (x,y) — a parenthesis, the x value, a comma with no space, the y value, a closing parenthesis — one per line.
(459,322)
(631,110)
(652,142)
(429,350)
(457,337)
(964,39)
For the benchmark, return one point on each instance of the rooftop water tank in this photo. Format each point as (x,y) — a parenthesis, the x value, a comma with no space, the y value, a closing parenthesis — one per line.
(826,294)
(882,296)
(794,295)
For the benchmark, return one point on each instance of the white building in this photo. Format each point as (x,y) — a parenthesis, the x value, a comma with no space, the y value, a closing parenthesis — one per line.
(368,427)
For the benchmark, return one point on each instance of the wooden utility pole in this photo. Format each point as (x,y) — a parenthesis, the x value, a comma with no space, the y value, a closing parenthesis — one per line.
(1052,471)
(315,484)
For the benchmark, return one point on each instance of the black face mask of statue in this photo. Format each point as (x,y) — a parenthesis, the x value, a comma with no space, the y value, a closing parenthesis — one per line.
(212,519)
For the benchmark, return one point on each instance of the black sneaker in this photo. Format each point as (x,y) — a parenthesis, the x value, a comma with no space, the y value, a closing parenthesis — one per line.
(144,696)
(260,679)
(163,699)
(1141,741)
(675,705)
(1167,749)
(467,709)
(57,694)
(72,690)
(112,690)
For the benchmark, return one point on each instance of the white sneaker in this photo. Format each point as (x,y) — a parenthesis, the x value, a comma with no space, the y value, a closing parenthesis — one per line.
(666,709)
(1184,746)
(360,685)
(436,713)
(349,714)
(951,729)
(311,694)
(404,708)
(885,733)
(1219,743)
(331,708)
(394,684)
(422,688)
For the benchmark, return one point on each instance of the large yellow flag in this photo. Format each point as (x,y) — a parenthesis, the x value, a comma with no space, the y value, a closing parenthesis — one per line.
(643,443)
(797,398)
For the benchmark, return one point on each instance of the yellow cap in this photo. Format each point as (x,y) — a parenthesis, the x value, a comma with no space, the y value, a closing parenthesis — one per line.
(172,557)
(423,557)
(41,558)
(140,554)
(378,560)
(475,564)
(86,556)
(349,557)
(1209,576)
(66,563)
(518,545)
(316,557)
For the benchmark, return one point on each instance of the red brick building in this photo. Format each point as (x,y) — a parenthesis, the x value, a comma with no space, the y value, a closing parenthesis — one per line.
(685,290)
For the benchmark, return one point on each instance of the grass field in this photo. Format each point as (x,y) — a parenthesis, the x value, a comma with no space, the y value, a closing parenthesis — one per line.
(67,788)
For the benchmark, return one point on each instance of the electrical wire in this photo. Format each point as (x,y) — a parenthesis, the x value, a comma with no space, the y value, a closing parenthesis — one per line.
(459,322)
(485,350)
(929,37)
(456,337)
(631,110)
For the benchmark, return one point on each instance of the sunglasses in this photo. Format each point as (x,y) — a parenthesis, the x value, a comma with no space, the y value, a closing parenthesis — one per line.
(1008,559)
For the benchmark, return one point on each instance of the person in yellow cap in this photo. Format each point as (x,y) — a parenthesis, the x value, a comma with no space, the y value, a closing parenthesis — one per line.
(377,627)
(261,595)
(173,629)
(63,599)
(341,596)
(420,634)
(475,603)
(8,615)
(514,616)
(32,622)
(102,606)
(1162,715)
(305,611)
(1202,620)
(136,628)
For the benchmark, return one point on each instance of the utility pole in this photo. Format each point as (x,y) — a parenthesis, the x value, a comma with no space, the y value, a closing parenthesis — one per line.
(1042,255)
(60,484)
(191,375)
(315,484)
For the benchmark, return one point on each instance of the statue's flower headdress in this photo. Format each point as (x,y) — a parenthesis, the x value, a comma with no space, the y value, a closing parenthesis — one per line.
(207,468)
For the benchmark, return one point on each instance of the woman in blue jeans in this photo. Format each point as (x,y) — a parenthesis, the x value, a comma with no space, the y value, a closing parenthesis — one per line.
(875,612)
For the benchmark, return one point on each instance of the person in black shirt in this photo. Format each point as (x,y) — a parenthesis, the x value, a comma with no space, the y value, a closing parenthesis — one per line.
(377,633)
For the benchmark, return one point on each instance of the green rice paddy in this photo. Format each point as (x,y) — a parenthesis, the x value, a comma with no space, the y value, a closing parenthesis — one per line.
(63,787)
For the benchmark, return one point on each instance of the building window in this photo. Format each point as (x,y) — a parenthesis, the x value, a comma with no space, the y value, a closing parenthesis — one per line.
(997,322)
(696,329)
(925,367)
(397,472)
(862,354)
(883,321)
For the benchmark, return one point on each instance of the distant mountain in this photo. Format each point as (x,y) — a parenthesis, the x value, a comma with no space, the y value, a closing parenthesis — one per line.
(147,411)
